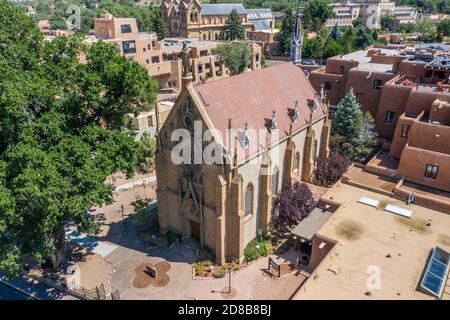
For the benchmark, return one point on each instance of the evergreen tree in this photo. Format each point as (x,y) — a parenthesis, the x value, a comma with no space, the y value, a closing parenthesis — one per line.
(336,32)
(284,37)
(347,122)
(352,130)
(233,27)
(158,25)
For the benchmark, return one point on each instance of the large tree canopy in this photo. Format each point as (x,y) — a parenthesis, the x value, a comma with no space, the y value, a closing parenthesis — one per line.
(62,132)
(235,56)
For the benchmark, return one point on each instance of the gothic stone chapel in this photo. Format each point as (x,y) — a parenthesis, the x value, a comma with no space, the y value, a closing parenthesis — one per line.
(226,205)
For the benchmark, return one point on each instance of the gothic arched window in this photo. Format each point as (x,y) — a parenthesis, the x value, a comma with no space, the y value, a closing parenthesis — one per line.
(315,149)
(297,163)
(248,209)
(274,181)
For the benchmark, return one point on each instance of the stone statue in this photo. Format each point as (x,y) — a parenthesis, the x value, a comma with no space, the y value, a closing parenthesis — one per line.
(186,61)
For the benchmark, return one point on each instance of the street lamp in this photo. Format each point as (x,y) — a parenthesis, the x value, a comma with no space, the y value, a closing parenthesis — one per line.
(229,279)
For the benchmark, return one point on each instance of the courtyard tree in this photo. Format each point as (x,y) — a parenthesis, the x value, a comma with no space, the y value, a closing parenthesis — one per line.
(329,171)
(348,117)
(61,135)
(235,56)
(292,204)
(149,148)
(233,26)
(353,130)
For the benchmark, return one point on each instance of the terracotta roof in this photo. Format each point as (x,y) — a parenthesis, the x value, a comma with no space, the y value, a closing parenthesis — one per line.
(253,96)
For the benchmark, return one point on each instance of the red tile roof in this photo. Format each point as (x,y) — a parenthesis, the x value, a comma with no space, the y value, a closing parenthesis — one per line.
(251,97)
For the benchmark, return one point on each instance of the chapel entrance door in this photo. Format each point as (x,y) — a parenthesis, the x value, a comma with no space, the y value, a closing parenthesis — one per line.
(195,230)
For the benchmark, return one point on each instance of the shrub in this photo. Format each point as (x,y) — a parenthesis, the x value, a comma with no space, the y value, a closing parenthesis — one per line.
(221,273)
(172,237)
(258,247)
(161,242)
(329,171)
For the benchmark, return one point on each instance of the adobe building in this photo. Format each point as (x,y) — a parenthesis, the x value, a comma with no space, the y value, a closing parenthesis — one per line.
(191,19)
(227,203)
(161,58)
(414,114)
(365,71)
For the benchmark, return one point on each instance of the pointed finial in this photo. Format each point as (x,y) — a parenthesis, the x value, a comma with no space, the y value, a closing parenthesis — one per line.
(295,114)
(273,124)
(229,123)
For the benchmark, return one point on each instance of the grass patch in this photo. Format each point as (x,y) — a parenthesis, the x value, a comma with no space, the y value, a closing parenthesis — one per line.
(260,247)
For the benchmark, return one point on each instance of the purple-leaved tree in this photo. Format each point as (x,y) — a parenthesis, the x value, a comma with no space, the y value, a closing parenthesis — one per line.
(291,205)
(329,171)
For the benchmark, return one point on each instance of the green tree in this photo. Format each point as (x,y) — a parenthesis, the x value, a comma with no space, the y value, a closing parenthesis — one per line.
(235,56)
(336,32)
(316,13)
(347,122)
(352,130)
(388,22)
(61,135)
(358,22)
(444,27)
(158,24)
(332,48)
(284,37)
(363,38)
(233,27)
(148,151)
(424,27)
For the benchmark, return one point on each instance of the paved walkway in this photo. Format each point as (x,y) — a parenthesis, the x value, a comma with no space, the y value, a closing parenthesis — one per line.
(124,252)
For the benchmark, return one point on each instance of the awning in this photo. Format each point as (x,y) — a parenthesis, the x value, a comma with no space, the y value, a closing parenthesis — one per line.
(307,228)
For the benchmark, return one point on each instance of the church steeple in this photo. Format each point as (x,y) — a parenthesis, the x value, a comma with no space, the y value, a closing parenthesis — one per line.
(297,38)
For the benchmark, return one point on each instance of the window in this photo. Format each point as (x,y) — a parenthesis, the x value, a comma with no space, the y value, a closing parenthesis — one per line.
(147,61)
(377,84)
(315,150)
(390,117)
(327,85)
(405,130)
(360,97)
(248,200)
(125,28)
(431,171)
(274,182)
(297,163)
(155,59)
(128,47)
(341,70)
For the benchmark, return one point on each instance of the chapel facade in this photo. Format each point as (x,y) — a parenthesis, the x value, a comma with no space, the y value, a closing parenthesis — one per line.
(226,204)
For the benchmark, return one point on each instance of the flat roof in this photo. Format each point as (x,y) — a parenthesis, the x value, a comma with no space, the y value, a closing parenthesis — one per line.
(311,224)
(372,239)
(364,60)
